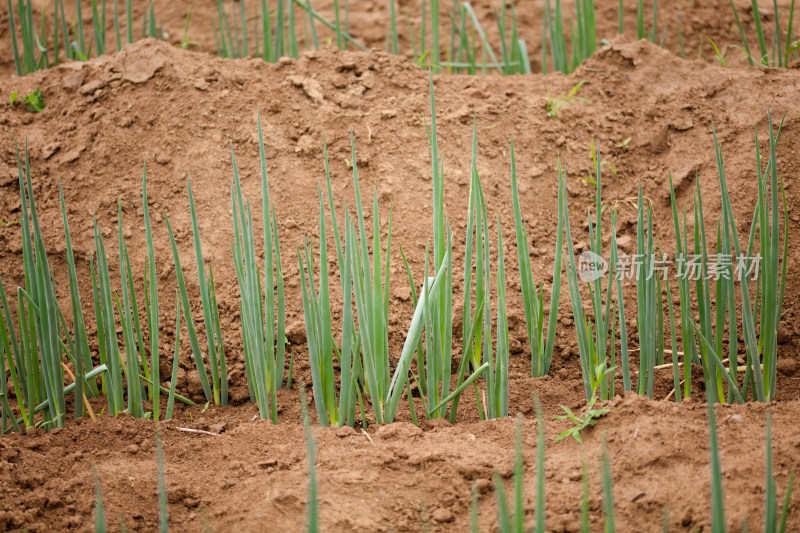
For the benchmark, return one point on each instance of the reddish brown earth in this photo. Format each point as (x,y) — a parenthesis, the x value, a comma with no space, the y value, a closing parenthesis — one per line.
(180,111)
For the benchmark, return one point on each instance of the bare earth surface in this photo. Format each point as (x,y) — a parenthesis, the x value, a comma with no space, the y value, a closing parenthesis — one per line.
(182,111)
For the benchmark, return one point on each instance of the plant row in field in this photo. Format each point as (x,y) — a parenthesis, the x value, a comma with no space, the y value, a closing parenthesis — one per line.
(511,515)
(37,346)
(566,40)
(32,51)
(278,31)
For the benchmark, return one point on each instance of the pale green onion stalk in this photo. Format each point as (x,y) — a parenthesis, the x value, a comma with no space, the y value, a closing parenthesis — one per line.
(685,313)
(764,313)
(163,512)
(582,36)
(371,291)
(135,407)
(190,327)
(509,521)
(783,48)
(153,327)
(319,329)
(541,341)
(774,522)
(312,511)
(608,490)
(106,327)
(81,351)
(99,508)
(496,374)
(214,341)
(439,318)
(263,322)
(647,297)
(594,336)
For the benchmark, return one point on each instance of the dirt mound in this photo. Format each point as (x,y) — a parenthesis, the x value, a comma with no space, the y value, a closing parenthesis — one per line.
(253,476)
(182,112)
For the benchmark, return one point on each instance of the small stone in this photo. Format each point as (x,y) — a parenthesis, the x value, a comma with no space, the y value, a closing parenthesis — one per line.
(310,86)
(398,430)
(484,485)
(73,154)
(344,432)
(624,242)
(515,346)
(142,65)
(737,418)
(306,143)
(91,87)
(787,366)
(162,158)
(442,516)
(785,334)
(296,332)
(683,124)
(50,149)
(402,293)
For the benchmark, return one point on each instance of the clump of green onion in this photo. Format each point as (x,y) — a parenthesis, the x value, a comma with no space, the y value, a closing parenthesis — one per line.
(782,51)
(312,513)
(263,322)
(277,34)
(596,335)
(213,331)
(478,331)
(32,51)
(541,341)
(319,330)
(582,35)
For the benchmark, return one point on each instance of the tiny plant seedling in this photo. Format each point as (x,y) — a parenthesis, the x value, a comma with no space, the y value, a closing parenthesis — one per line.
(555,104)
(590,414)
(592,178)
(623,145)
(719,54)
(185,42)
(35,101)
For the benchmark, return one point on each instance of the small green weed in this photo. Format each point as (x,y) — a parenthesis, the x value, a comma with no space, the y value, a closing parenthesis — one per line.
(554,105)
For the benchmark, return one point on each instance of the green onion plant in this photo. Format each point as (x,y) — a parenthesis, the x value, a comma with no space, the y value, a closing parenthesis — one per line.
(777,52)
(541,341)
(581,34)
(263,319)
(32,50)
(478,345)
(322,344)
(596,339)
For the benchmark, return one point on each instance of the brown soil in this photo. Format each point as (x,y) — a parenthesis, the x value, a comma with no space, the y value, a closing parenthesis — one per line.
(180,110)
